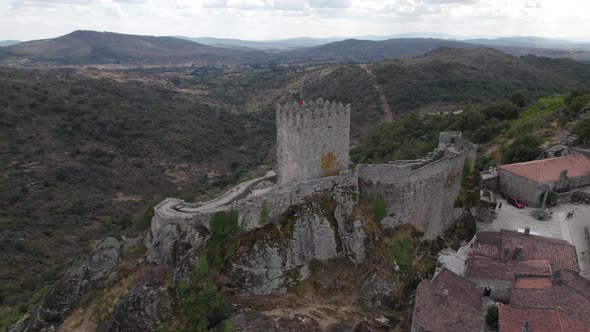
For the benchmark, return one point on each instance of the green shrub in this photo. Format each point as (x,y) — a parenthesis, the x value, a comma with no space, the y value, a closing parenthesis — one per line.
(224,225)
(401,247)
(202,268)
(583,129)
(263,213)
(228,327)
(379,208)
(107,220)
(144,218)
(492,316)
(202,307)
(524,148)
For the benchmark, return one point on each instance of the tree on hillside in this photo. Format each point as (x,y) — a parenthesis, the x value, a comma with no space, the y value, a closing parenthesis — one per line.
(524,148)
(583,129)
(470,182)
(519,98)
(577,102)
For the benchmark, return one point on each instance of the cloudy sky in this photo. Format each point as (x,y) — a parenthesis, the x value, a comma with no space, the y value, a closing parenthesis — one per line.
(275,19)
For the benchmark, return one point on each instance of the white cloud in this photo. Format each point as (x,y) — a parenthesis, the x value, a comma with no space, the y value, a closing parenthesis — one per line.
(259,19)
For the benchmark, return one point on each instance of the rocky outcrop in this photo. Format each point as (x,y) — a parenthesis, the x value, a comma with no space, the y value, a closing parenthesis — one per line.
(352,233)
(142,309)
(98,271)
(277,255)
(170,244)
(380,290)
(254,321)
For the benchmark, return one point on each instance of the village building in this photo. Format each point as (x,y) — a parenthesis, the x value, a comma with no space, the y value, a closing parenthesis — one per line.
(447,303)
(529,180)
(557,303)
(506,246)
(498,276)
(535,279)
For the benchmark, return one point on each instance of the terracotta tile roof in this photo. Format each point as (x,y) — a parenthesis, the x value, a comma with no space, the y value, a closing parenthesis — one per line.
(546,170)
(539,320)
(447,303)
(519,246)
(513,319)
(458,287)
(488,244)
(572,292)
(497,270)
(529,283)
(563,305)
(532,297)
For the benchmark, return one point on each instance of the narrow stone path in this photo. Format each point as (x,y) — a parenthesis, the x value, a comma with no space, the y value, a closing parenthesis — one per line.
(387,115)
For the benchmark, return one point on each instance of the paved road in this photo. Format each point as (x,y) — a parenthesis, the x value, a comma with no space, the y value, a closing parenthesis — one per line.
(571,230)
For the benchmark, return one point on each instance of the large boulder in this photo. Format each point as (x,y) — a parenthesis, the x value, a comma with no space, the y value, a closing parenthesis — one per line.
(170,244)
(66,293)
(142,309)
(277,255)
(380,290)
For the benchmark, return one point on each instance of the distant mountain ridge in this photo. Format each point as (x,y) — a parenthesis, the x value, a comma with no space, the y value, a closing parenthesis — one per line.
(357,51)
(91,47)
(81,48)
(8,42)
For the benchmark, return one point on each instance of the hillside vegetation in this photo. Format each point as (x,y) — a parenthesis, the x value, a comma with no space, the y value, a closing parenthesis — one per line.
(518,132)
(87,153)
(82,158)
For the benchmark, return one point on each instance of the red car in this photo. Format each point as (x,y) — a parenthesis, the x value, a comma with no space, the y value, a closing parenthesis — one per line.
(517,203)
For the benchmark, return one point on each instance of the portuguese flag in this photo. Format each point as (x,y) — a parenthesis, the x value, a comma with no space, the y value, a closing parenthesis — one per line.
(301,98)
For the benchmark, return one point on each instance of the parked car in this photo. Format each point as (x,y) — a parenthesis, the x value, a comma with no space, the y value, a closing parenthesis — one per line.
(517,203)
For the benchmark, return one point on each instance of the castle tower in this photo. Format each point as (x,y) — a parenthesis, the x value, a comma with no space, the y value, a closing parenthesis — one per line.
(312,140)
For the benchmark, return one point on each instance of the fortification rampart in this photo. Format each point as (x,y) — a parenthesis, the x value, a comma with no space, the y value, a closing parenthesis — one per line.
(312,140)
(276,199)
(421,193)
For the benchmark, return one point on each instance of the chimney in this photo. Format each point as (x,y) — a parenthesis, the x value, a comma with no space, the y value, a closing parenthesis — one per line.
(527,231)
(487,291)
(525,327)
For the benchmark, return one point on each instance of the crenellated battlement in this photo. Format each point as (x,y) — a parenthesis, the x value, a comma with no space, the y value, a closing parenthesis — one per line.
(296,115)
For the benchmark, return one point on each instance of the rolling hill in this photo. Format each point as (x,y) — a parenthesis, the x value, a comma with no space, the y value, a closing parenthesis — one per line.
(532,42)
(360,51)
(8,42)
(82,158)
(100,48)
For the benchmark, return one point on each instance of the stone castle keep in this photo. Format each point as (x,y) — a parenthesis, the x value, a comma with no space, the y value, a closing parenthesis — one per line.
(312,140)
(312,158)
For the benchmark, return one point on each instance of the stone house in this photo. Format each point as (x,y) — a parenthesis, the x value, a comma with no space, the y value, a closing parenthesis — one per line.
(560,302)
(561,174)
(447,303)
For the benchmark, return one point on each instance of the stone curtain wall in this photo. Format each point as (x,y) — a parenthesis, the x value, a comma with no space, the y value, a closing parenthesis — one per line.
(423,196)
(312,141)
(171,225)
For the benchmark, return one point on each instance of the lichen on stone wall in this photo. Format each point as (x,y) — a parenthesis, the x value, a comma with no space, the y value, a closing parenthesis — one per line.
(330,165)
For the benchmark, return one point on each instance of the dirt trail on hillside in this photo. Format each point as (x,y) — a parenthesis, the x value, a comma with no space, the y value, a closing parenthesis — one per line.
(387,115)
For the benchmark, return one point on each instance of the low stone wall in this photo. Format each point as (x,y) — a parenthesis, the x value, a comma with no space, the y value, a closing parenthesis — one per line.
(565,197)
